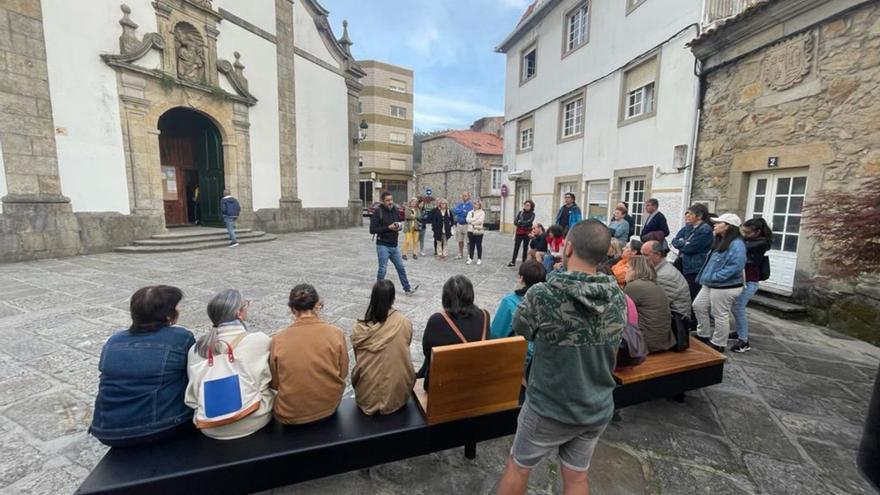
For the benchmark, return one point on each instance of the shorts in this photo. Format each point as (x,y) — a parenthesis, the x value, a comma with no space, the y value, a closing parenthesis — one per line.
(537,436)
(460,232)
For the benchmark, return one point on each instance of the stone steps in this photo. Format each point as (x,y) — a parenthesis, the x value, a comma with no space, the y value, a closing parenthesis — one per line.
(193,239)
(778,307)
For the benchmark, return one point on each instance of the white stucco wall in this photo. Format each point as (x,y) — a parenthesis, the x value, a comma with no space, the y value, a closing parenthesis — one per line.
(261,69)
(306,36)
(260,14)
(85,103)
(605,146)
(321,136)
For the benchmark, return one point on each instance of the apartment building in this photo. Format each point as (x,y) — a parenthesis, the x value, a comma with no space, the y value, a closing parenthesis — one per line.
(600,100)
(386,152)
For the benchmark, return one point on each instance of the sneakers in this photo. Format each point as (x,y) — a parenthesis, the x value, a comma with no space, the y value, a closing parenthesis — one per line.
(412,290)
(421,253)
(233,244)
(511,264)
(404,257)
(479,261)
(718,348)
(415,256)
(741,346)
(469,261)
(704,340)
(458,256)
(733,336)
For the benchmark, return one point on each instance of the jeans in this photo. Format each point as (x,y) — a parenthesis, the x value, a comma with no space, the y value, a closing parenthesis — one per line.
(520,239)
(230,228)
(719,302)
(739,310)
(475,241)
(388,252)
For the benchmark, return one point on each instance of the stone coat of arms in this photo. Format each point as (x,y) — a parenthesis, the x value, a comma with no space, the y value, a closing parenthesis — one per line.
(787,63)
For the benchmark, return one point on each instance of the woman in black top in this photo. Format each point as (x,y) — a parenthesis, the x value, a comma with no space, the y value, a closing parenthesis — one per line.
(458,305)
(441,224)
(523,223)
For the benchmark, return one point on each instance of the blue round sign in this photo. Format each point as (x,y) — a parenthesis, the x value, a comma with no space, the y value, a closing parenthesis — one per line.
(428,191)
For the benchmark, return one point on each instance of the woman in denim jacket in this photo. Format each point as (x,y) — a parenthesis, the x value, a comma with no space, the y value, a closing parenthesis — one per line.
(722,281)
(143,374)
(694,241)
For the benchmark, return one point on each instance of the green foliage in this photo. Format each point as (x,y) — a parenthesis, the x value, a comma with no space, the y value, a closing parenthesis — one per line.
(846,226)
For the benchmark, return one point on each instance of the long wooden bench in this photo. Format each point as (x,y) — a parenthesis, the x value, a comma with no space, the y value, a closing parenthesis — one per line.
(456,416)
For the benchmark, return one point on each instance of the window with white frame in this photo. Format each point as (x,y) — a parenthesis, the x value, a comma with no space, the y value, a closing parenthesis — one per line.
(572,117)
(496,179)
(632,194)
(399,112)
(529,63)
(564,188)
(397,86)
(639,96)
(577,24)
(526,133)
(597,200)
(397,138)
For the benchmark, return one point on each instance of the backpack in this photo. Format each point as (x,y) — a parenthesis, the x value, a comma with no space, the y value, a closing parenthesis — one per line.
(226,392)
(632,349)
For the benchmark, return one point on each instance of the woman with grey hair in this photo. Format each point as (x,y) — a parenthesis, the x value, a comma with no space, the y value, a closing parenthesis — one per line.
(228,312)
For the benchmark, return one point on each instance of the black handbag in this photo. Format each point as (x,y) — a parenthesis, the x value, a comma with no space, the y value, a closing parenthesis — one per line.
(681,331)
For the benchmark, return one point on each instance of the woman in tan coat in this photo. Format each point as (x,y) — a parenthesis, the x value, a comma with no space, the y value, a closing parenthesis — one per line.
(383,375)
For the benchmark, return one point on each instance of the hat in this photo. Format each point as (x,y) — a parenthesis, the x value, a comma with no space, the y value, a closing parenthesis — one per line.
(730,218)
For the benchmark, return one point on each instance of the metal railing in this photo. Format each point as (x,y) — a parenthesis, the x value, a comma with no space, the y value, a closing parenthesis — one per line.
(717,10)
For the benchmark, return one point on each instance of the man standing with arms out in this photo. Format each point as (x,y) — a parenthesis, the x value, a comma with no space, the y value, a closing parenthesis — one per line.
(230,209)
(385,225)
(569,214)
(669,279)
(575,319)
(460,211)
(655,227)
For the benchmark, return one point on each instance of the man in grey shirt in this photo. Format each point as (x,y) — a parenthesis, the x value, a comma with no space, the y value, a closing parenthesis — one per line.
(670,279)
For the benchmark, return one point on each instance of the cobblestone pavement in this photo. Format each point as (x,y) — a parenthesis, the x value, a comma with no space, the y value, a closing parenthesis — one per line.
(786,420)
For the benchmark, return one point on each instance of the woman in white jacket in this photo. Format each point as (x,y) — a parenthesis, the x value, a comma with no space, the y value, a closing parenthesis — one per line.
(475,219)
(250,350)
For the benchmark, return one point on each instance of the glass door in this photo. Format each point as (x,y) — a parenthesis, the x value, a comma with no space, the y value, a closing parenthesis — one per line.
(632,192)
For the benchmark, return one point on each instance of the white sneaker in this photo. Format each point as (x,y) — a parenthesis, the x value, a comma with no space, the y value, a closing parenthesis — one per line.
(469,261)
(233,244)
(458,256)
(479,262)
(421,253)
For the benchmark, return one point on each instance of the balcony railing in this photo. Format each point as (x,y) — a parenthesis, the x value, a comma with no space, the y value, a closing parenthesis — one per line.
(717,10)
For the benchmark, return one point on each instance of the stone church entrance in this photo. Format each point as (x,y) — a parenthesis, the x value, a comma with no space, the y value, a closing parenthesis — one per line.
(191,157)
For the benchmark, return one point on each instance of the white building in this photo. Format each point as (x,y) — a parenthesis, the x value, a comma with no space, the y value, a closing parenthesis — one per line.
(113,114)
(600,100)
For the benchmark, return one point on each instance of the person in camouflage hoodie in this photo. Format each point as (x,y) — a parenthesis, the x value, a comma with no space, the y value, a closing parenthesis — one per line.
(576,320)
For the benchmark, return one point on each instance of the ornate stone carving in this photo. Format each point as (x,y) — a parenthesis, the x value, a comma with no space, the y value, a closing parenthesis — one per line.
(202,3)
(130,47)
(235,73)
(787,63)
(190,49)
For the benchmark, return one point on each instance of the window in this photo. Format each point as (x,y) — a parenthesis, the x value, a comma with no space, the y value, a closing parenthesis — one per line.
(566,187)
(639,95)
(523,191)
(633,196)
(397,85)
(577,24)
(597,200)
(397,164)
(496,179)
(529,63)
(399,112)
(397,138)
(526,134)
(572,117)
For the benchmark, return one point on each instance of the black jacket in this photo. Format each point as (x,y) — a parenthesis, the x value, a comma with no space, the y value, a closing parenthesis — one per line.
(656,223)
(632,225)
(442,224)
(524,219)
(379,222)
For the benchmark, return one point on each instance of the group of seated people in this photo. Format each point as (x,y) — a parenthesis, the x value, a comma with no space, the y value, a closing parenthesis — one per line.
(159,382)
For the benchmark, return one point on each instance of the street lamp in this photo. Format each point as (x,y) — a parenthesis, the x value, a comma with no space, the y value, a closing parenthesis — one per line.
(362,132)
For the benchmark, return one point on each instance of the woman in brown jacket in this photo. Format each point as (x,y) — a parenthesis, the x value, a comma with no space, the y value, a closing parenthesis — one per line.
(383,374)
(308,361)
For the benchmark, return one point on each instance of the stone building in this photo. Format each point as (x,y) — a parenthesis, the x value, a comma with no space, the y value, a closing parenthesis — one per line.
(113,115)
(791,107)
(386,153)
(454,162)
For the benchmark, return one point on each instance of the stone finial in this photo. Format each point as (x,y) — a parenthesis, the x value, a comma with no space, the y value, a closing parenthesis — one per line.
(234,72)
(345,41)
(128,41)
(239,67)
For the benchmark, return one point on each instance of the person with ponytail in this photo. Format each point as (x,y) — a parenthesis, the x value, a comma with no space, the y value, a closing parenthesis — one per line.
(757,237)
(383,374)
(228,312)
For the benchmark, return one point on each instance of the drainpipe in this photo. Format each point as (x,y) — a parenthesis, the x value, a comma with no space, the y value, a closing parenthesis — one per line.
(695,134)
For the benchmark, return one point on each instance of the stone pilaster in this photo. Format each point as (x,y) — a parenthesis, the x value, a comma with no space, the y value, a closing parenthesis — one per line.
(238,169)
(286,103)
(37,221)
(354,93)
(140,139)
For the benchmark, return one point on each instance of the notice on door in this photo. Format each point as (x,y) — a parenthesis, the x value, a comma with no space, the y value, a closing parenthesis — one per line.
(169,183)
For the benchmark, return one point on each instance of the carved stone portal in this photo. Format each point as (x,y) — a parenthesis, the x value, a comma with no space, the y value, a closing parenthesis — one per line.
(787,63)
(190,53)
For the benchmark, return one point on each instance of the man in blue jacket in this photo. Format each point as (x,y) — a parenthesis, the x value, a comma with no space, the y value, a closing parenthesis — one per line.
(230,209)
(569,214)
(460,211)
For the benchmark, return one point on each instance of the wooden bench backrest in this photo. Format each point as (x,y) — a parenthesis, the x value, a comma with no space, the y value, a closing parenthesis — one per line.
(473,379)
(698,355)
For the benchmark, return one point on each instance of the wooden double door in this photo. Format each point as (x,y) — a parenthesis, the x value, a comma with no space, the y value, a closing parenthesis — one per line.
(191,156)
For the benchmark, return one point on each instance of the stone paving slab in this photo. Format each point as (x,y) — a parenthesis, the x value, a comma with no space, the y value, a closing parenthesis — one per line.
(787,418)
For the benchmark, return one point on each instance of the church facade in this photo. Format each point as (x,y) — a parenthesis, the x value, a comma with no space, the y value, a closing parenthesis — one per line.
(120,120)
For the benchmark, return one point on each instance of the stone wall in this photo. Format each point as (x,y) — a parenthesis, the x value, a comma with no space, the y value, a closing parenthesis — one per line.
(824,118)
